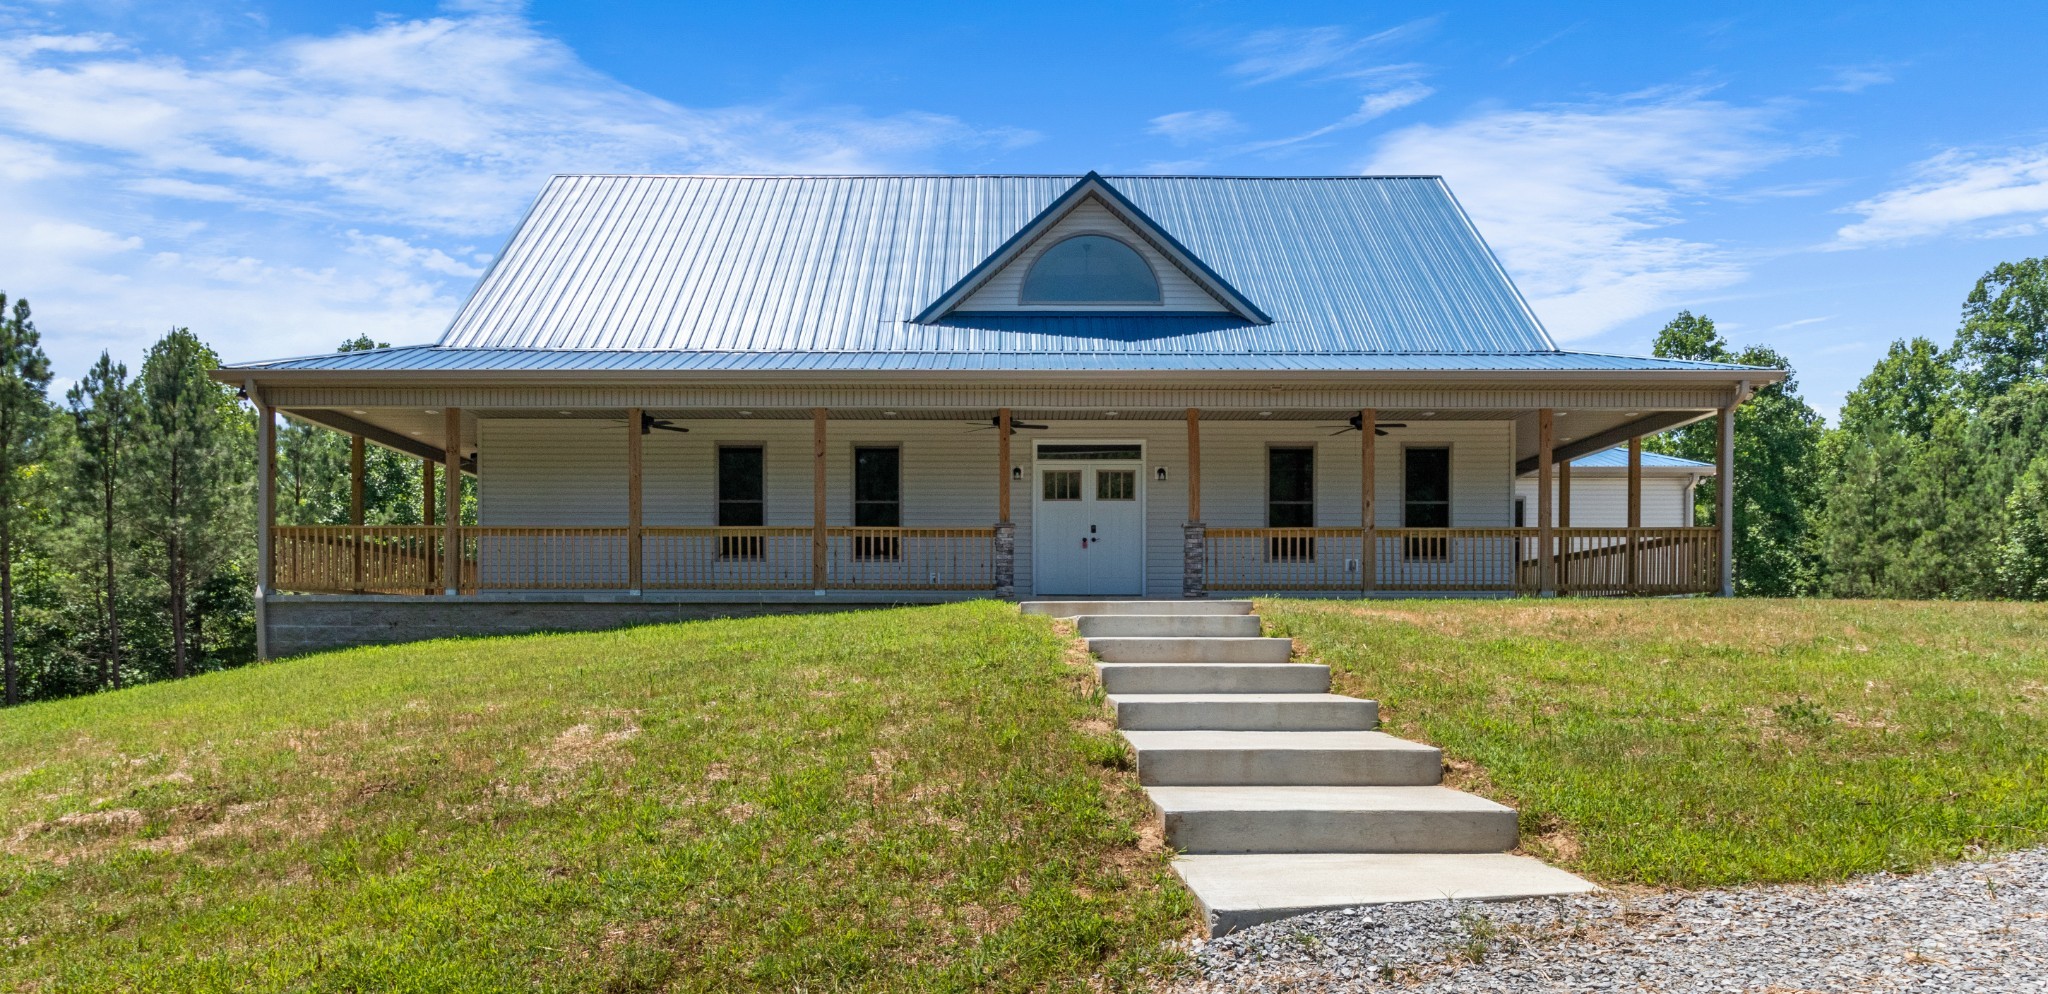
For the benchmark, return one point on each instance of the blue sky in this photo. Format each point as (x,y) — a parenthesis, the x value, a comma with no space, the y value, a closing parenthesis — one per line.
(1824,178)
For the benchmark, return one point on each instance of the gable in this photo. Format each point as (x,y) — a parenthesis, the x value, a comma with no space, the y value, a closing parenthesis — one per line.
(1178,292)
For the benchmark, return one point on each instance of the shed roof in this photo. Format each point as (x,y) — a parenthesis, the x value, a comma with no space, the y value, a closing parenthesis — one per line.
(1617,459)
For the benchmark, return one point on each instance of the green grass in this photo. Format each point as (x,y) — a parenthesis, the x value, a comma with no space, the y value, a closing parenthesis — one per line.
(918,799)
(1708,742)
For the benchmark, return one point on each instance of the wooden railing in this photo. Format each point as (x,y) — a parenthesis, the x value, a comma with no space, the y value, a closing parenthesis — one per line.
(910,558)
(407,559)
(1585,560)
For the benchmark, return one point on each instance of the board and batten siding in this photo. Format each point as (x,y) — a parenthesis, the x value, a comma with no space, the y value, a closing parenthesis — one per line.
(1177,292)
(572,473)
(1601,501)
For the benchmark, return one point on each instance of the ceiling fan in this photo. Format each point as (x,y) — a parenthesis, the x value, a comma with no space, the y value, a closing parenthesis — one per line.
(649,422)
(1358,422)
(997,422)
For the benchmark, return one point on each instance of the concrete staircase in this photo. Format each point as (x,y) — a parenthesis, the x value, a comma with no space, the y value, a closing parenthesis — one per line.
(1280,796)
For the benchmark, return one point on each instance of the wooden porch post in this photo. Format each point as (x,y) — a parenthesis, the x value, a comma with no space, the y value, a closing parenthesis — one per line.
(1545,568)
(1564,494)
(1635,511)
(1368,514)
(634,442)
(427,519)
(1724,503)
(266,519)
(1003,466)
(356,457)
(451,507)
(817,498)
(1194,466)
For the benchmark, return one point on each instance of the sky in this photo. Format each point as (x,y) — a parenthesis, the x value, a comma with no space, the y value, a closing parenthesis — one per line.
(280,177)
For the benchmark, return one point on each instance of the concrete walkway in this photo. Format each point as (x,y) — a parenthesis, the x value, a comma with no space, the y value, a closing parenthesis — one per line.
(1282,797)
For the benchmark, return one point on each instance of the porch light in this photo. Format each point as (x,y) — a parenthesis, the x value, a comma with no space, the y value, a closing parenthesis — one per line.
(1016,472)
(888,414)
(1162,474)
(1265,414)
(1109,414)
(563,413)
(362,412)
(746,414)
(1429,414)
(433,412)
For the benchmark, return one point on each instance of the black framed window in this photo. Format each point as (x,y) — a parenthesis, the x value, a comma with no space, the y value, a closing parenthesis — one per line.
(1426,499)
(1521,509)
(1291,501)
(877,500)
(741,500)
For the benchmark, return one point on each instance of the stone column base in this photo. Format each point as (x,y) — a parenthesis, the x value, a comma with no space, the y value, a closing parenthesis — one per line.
(1006,560)
(1194,568)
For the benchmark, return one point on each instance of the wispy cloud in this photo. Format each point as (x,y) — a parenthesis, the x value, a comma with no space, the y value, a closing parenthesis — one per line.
(1856,79)
(290,195)
(1802,322)
(1188,126)
(1282,53)
(1372,106)
(1581,201)
(1982,194)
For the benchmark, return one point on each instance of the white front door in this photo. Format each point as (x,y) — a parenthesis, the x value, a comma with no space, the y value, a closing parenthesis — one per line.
(1088,525)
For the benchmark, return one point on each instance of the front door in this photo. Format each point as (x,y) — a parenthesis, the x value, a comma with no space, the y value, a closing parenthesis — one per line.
(1088,521)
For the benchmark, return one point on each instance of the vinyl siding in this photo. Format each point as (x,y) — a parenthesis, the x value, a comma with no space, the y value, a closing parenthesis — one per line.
(572,472)
(1602,501)
(1177,292)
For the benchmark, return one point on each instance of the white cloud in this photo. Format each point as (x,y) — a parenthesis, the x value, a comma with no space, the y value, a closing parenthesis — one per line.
(1957,192)
(1187,126)
(1371,106)
(289,196)
(1280,53)
(1856,79)
(1579,200)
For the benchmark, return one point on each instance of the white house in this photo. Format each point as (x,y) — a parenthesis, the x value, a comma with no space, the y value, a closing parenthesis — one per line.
(684,395)
(1593,491)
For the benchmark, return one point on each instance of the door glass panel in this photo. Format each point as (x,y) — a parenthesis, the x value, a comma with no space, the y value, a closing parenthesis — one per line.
(1116,484)
(1426,501)
(1132,452)
(1062,484)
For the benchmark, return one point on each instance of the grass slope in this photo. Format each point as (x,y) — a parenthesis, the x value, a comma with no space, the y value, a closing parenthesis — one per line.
(1702,742)
(901,800)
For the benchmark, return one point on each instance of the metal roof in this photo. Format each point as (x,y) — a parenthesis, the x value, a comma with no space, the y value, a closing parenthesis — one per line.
(786,264)
(433,358)
(1617,458)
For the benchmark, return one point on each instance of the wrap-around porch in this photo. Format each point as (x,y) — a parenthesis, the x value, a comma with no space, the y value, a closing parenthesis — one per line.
(967,501)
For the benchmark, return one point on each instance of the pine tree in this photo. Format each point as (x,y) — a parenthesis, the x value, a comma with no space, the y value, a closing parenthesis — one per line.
(103,413)
(24,418)
(187,474)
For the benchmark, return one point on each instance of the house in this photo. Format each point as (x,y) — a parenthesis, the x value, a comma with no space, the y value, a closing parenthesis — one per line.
(1594,491)
(691,395)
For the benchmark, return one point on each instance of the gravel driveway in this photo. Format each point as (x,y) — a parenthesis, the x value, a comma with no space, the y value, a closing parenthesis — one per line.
(1979,926)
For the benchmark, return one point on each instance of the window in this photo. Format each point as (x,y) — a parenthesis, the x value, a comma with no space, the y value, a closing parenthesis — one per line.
(1521,505)
(1091,452)
(877,501)
(1116,484)
(1090,269)
(1062,484)
(1291,502)
(1426,499)
(740,501)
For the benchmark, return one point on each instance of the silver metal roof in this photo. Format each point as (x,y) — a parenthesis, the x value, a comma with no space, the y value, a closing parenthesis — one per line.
(842,264)
(431,358)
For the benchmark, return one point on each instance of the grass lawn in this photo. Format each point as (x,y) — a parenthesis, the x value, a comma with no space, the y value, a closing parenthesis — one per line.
(919,799)
(1703,742)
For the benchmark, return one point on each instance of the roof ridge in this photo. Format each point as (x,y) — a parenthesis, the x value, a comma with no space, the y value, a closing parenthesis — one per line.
(1057,176)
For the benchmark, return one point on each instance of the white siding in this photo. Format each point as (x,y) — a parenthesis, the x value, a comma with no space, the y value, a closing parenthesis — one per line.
(1177,292)
(565,472)
(1602,501)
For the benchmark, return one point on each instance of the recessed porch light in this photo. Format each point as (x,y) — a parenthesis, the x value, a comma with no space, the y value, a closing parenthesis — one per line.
(362,412)
(561,412)
(1634,413)
(433,411)
(419,433)
(746,414)
(1265,414)
(1429,414)
(888,414)
(1109,414)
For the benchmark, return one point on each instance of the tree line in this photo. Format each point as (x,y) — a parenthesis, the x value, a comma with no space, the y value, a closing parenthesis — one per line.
(1934,483)
(127,538)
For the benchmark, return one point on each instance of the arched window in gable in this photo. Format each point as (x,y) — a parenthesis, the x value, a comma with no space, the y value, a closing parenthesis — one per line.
(1092,270)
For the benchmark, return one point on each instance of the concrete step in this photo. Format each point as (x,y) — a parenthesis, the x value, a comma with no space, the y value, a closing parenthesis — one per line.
(1168,625)
(1245,712)
(1242,890)
(1332,820)
(1214,678)
(1345,759)
(1191,650)
(1075,608)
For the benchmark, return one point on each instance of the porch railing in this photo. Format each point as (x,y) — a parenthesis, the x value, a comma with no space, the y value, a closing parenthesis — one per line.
(408,559)
(1585,560)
